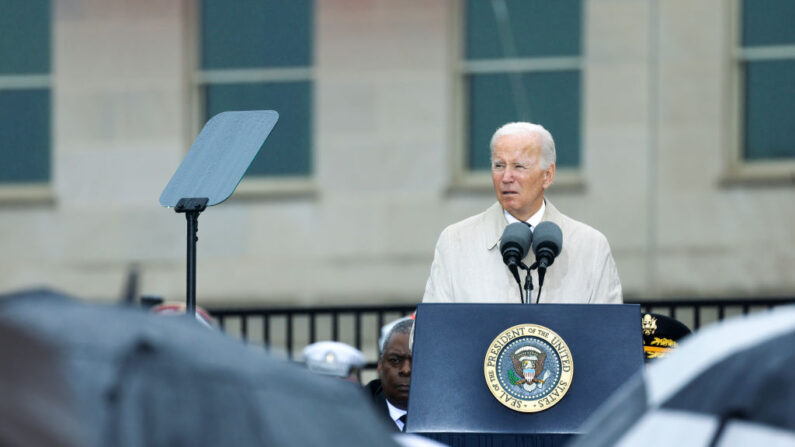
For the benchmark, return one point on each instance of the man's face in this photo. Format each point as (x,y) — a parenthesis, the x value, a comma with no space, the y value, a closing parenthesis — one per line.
(394,369)
(519,180)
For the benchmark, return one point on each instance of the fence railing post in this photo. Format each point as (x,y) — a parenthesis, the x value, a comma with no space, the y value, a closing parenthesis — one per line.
(381,312)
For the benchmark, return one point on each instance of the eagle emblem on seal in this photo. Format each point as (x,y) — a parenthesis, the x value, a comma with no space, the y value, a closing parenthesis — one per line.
(528,364)
(528,368)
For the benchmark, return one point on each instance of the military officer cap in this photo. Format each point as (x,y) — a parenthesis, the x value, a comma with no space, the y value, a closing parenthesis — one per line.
(332,358)
(661,333)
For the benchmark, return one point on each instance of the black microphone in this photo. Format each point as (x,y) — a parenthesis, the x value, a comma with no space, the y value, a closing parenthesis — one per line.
(547,243)
(514,244)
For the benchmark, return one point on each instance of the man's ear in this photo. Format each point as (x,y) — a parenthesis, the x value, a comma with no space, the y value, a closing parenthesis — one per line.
(549,175)
(378,367)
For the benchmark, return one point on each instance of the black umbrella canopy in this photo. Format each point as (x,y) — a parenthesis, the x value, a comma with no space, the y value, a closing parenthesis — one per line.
(31,391)
(144,380)
(728,384)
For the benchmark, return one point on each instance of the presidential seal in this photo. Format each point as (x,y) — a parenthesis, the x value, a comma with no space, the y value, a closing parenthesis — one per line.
(528,368)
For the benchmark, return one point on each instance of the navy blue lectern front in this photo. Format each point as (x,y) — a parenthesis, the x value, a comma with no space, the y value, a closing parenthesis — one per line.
(450,401)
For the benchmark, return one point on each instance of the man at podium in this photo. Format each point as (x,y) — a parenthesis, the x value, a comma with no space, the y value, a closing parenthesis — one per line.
(468,265)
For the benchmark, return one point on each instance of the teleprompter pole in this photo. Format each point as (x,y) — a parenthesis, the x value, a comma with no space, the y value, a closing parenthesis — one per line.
(192,207)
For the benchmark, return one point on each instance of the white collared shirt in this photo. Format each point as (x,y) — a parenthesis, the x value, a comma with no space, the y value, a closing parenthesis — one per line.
(534,220)
(395,413)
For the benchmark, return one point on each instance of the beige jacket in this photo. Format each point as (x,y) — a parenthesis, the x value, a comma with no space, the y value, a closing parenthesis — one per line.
(468,268)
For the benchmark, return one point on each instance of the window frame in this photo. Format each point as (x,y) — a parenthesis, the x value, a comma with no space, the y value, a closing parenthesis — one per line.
(468,180)
(740,170)
(32,191)
(262,185)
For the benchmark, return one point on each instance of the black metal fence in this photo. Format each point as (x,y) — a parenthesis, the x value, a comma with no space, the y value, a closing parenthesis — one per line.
(286,331)
(696,313)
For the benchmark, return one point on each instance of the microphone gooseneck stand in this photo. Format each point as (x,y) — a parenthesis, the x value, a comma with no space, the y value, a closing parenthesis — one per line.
(526,293)
(542,271)
(528,284)
(514,268)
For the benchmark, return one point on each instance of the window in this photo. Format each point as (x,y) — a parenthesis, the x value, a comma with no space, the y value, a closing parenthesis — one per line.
(257,55)
(522,62)
(766,63)
(24,92)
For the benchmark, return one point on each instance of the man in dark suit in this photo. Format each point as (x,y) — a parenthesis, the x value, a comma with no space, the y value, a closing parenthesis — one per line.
(390,392)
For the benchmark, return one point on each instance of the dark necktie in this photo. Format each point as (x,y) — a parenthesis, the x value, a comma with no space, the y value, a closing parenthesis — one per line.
(403,420)
(528,225)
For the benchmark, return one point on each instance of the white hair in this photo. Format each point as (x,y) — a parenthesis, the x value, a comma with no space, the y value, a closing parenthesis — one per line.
(529,129)
(400,326)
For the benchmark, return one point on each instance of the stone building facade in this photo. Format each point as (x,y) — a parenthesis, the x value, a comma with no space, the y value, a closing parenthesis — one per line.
(661,170)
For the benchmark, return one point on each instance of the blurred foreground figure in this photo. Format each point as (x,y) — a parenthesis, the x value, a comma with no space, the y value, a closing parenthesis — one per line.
(333,358)
(127,378)
(390,392)
(409,440)
(171,309)
(36,405)
(661,334)
(730,384)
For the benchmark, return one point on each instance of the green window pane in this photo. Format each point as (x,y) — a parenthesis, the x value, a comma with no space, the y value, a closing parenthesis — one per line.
(533,27)
(256,33)
(769,121)
(287,150)
(551,99)
(24,135)
(24,37)
(768,22)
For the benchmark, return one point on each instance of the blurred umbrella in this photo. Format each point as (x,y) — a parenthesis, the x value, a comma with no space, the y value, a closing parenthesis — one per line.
(31,391)
(729,384)
(143,380)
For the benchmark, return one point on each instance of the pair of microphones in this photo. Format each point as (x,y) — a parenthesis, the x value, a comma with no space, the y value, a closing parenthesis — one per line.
(546,241)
